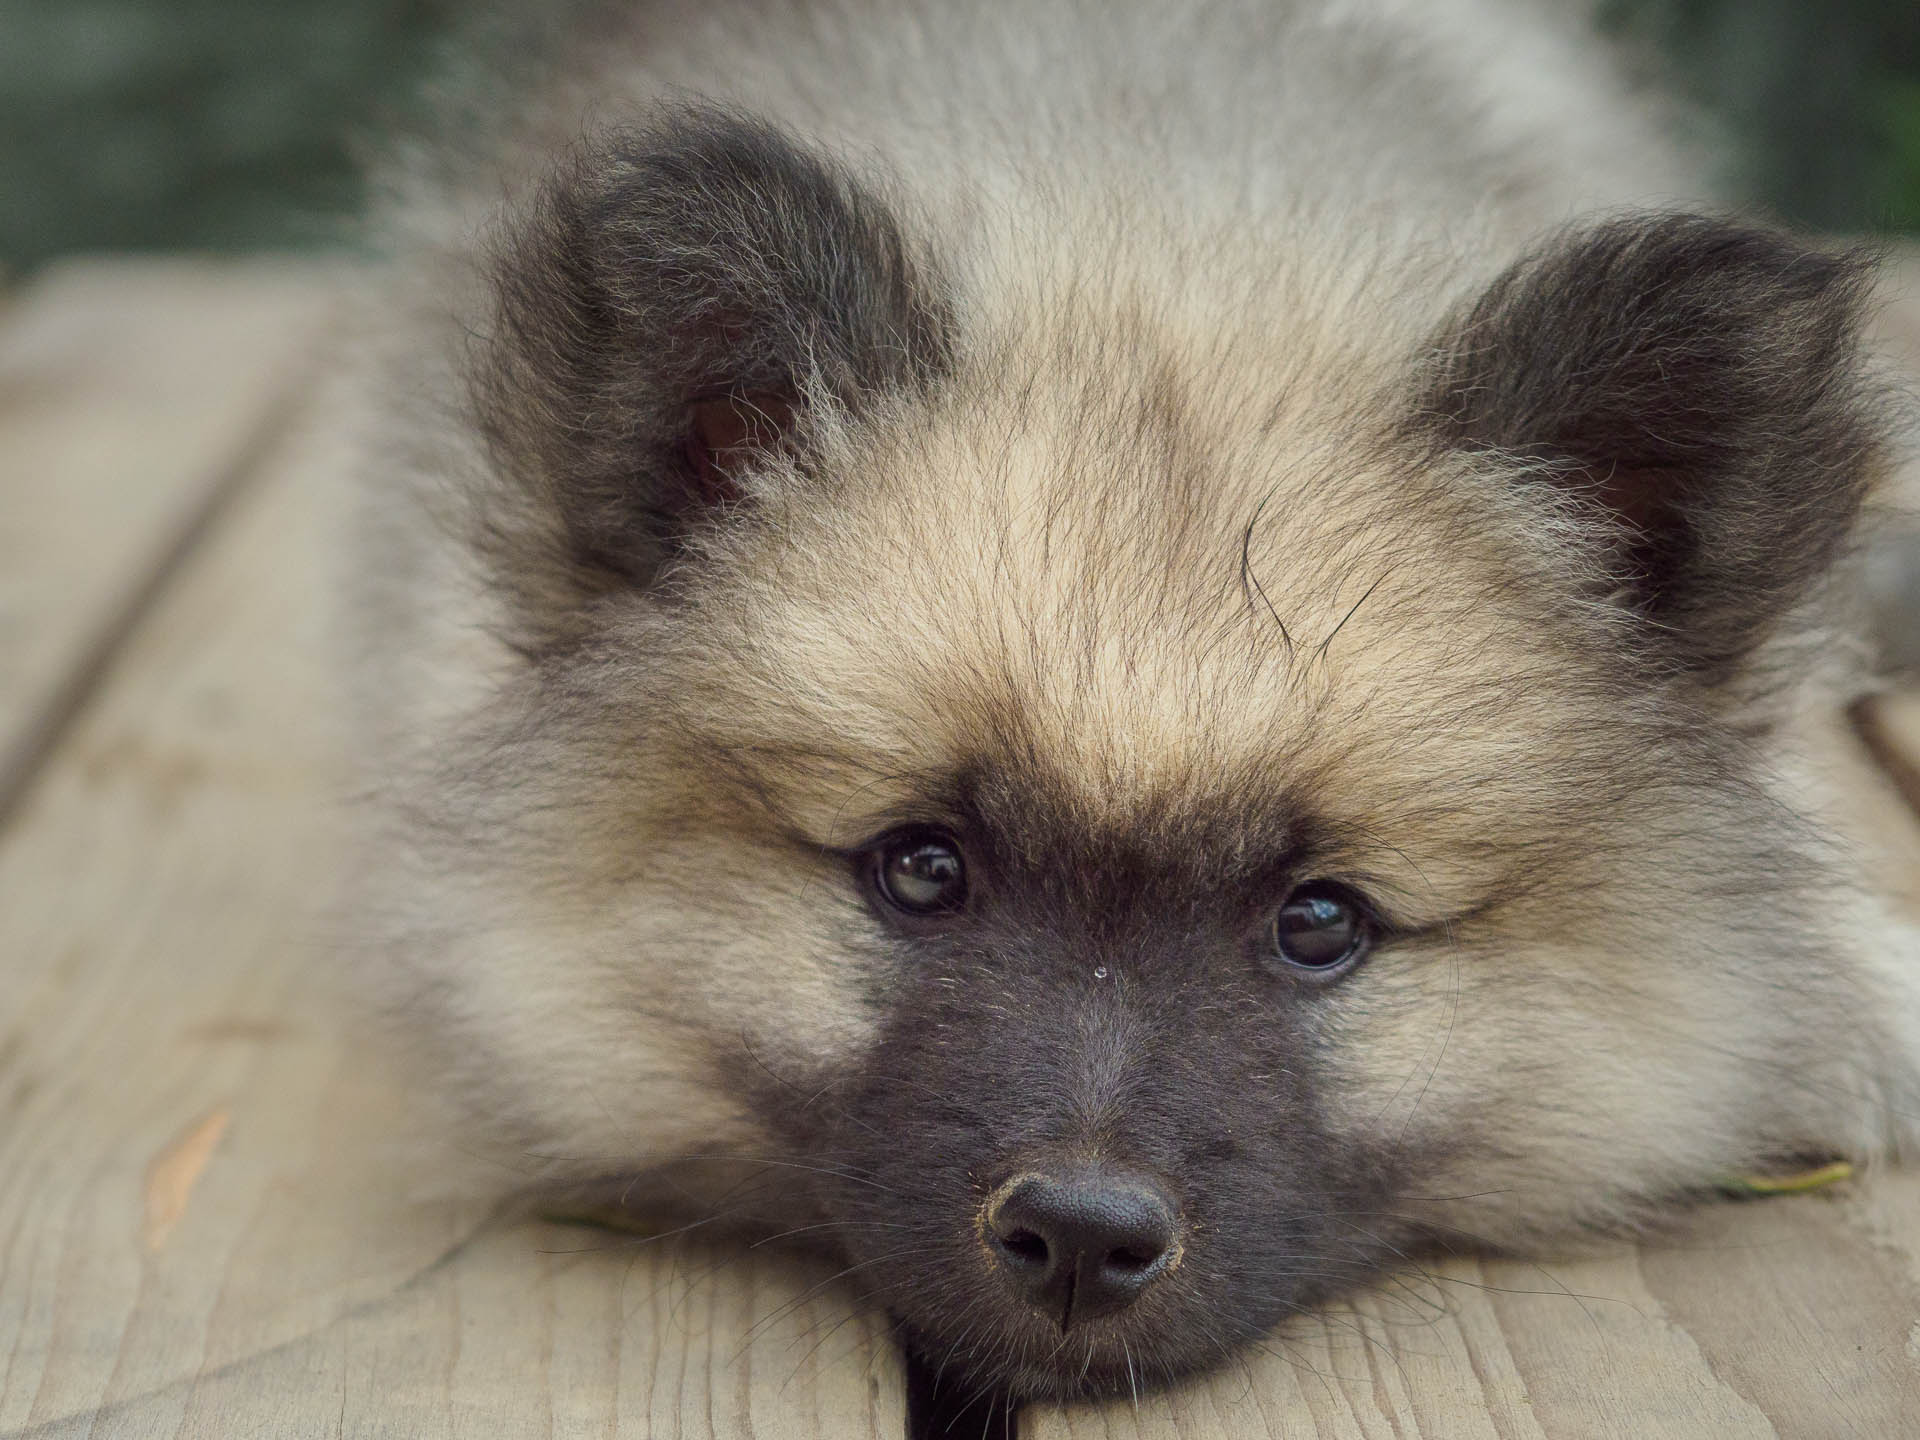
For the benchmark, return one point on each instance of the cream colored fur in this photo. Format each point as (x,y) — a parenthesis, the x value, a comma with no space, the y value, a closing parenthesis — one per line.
(1242,216)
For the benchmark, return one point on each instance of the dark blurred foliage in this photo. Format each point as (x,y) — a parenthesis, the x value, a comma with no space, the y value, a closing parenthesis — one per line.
(229,123)
(206,123)
(1820,99)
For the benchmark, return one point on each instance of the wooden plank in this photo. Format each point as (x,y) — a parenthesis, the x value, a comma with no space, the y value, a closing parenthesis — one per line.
(211,1220)
(1782,1318)
(130,394)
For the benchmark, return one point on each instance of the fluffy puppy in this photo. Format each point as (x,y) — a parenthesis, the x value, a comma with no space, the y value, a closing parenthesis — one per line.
(1122,657)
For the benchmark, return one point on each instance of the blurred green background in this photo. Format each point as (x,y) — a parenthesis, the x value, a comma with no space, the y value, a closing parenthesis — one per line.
(1819,100)
(228,123)
(222,124)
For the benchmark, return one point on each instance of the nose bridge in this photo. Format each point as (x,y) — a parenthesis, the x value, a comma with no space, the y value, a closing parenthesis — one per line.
(1108,1047)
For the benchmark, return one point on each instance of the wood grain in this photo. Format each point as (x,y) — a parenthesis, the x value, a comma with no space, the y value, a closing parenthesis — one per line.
(1794,1317)
(212,1221)
(130,397)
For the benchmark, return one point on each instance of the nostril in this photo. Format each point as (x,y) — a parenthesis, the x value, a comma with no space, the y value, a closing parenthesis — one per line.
(1132,1261)
(1025,1246)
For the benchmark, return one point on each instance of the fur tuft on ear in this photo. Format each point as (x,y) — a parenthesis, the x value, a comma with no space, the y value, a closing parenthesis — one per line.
(1698,389)
(667,306)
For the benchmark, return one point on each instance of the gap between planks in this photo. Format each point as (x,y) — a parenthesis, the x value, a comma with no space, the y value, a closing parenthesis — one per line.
(151,521)
(55,715)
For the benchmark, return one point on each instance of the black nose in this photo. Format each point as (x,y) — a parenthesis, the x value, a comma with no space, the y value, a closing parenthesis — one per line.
(1083,1244)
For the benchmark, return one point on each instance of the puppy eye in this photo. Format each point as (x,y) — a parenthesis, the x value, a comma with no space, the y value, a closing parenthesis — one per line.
(920,872)
(1323,928)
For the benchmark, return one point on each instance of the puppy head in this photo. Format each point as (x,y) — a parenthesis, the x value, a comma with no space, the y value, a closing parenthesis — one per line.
(1134,800)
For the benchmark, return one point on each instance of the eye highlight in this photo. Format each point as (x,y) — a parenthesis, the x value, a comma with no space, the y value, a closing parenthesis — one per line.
(920,871)
(1323,929)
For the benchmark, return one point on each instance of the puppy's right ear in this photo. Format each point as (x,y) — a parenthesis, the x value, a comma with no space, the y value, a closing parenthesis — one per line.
(670,309)
(1697,393)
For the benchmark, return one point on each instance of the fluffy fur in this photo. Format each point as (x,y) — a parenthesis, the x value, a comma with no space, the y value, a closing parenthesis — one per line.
(1182,451)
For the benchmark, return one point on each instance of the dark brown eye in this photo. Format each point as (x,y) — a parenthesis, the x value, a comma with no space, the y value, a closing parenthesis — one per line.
(1323,927)
(920,872)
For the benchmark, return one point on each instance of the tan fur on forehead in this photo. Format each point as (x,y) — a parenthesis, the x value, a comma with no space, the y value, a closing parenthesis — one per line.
(1148,613)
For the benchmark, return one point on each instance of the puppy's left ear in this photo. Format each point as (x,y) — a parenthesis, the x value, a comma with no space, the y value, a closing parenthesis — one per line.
(1697,390)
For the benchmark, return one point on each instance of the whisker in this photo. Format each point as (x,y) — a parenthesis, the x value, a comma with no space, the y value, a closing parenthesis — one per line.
(794,1303)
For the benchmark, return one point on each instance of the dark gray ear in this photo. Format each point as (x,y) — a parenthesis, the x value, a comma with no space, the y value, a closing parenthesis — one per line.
(1698,387)
(668,305)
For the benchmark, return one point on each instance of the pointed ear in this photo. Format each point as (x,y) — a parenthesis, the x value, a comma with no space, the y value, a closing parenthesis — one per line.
(668,308)
(1697,389)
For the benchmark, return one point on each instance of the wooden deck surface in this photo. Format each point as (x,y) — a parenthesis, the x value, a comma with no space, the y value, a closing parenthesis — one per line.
(209,1224)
